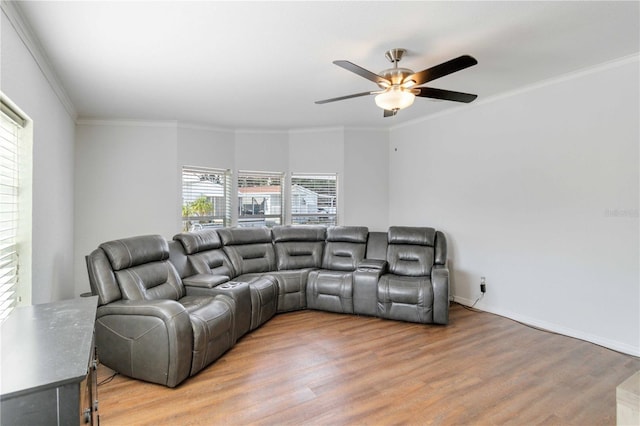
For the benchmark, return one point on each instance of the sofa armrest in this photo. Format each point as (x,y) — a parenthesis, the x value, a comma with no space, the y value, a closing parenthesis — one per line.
(148,340)
(373,265)
(203,284)
(365,286)
(440,282)
(204,280)
(164,309)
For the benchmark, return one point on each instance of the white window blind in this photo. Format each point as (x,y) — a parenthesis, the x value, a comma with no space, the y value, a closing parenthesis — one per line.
(206,198)
(260,198)
(11,125)
(314,199)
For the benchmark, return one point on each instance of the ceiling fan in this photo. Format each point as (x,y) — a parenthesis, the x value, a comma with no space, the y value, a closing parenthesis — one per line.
(399,85)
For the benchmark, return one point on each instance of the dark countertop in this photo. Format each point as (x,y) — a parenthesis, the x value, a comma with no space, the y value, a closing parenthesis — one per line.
(47,345)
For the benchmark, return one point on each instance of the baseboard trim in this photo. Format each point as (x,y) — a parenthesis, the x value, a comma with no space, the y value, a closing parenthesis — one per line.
(555,328)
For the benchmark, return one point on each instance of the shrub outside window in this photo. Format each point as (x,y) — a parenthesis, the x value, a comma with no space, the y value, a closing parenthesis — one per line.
(205,198)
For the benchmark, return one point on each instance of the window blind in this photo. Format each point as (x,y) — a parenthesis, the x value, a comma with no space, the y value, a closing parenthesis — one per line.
(314,199)
(260,198)
(206,198)
(11,125)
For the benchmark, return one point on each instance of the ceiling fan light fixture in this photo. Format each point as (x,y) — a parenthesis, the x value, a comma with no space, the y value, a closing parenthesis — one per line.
(394,98)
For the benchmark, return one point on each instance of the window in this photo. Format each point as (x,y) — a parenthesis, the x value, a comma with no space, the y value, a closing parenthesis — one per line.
(11,128)
(314,199)
(205,198)
(260,198)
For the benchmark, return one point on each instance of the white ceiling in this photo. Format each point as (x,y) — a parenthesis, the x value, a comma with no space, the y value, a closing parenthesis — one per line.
(262,65)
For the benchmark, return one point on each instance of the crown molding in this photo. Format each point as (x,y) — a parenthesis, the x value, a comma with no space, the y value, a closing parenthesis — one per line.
(316,130)
(127,123)
(17,19)
(259,131)
(205,127)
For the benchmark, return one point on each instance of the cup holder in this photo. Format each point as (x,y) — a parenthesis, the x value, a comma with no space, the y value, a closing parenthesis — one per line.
(229,285)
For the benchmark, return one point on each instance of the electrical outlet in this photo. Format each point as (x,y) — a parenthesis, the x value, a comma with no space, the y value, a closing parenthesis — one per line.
(483,285)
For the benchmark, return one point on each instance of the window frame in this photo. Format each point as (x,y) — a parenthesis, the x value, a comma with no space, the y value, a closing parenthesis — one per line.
(221,215)
(261,219)
(331,217)
(16,212)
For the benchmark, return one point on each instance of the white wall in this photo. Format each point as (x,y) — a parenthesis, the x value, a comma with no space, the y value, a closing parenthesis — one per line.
(127,183)
(366,177)
(266,151)
(361,160)
(53,173)
(320,151)
(539,193)
(205,147)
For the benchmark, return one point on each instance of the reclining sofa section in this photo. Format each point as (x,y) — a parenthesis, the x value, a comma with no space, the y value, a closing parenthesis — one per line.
(167,309)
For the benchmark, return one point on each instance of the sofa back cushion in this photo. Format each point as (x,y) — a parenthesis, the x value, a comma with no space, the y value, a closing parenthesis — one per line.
(195,242)
(205,253)
(249,249)
(141,268)
(151,281)
(102,280)
(128,252)
(377,245)
(298,247)
(345,247)
(411,250)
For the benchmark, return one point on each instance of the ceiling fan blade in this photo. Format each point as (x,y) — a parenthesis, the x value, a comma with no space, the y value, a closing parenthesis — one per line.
(390,113)
(447,95)
(349,66)
(445,68)
(324,101)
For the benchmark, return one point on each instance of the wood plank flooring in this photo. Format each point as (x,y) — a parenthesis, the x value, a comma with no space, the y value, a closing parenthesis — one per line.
(311,367)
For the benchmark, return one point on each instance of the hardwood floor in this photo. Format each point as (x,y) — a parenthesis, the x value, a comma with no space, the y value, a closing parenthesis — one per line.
(311,367)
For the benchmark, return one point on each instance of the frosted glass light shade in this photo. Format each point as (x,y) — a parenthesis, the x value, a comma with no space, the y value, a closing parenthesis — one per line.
(394,98)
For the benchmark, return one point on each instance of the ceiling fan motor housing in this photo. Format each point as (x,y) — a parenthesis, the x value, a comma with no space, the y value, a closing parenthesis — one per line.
(395,75)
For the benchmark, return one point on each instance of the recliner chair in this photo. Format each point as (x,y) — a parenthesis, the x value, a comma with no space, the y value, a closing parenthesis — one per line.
(208,270)
(146,327)
(416,287)
(331,288)
(298,252)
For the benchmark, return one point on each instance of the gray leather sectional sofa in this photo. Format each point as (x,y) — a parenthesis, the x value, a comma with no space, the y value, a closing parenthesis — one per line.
(168,309)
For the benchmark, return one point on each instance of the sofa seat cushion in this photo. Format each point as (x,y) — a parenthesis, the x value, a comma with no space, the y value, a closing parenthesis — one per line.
(264,296)
(405,298)
(213,324)
(330,291)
